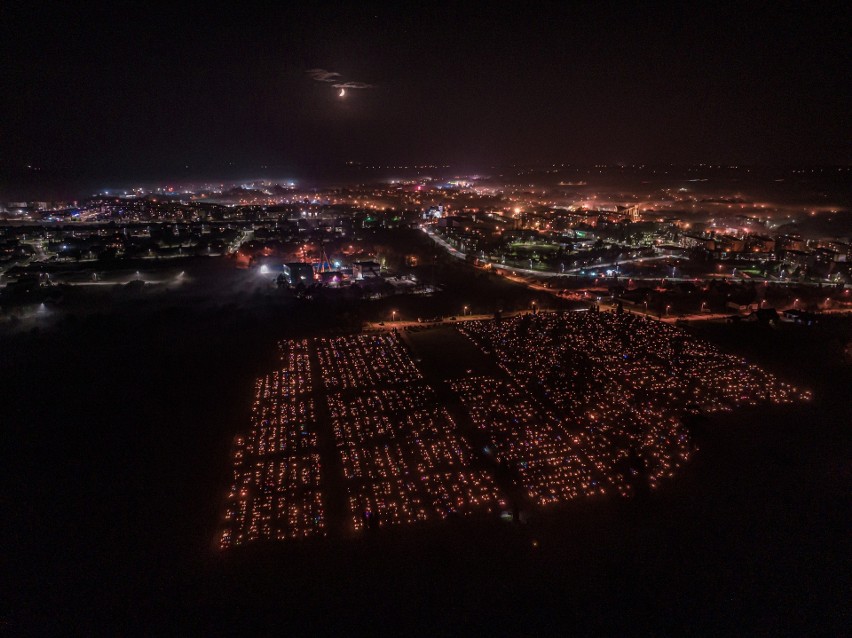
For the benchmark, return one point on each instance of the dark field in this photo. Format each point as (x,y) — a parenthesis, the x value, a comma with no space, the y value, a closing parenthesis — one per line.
(116,432)
(443,353)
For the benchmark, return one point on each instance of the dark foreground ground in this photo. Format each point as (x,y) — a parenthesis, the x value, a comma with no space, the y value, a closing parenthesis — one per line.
(116,429)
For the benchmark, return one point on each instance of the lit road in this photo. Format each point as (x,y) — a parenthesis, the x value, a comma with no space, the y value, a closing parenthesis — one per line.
(637,260)
(440,240)
(574,272)
(528,271)
(400,324)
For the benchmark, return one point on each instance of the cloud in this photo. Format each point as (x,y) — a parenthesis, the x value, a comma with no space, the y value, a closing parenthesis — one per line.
(336,79)
(321,75)
(353,85)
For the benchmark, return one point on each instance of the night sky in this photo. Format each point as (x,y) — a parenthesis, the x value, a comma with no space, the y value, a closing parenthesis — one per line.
(139,92)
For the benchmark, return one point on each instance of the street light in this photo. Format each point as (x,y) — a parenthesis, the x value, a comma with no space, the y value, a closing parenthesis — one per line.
(667,309)
(465,310)
(393,315)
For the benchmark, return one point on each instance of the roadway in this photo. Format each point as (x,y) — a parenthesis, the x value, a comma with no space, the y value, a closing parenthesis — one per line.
(535,285)
(528,271)
(401,324)
(573,272)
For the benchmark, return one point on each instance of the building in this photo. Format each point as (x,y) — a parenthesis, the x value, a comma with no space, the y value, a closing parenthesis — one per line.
(366,270)
(698,241)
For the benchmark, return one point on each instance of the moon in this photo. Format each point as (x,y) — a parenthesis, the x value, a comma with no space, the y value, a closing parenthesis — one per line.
(342,93)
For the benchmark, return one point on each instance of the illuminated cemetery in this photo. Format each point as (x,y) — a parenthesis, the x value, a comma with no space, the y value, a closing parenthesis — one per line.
(585,404)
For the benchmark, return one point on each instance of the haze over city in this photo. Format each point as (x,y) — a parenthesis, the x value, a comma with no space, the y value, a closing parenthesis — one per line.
(126,92)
